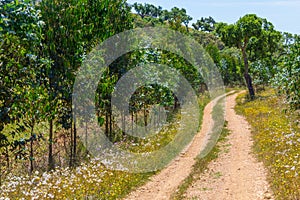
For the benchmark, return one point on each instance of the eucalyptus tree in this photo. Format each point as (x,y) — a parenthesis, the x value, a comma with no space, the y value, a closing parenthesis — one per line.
(22,69)
(20,34)
(72,29)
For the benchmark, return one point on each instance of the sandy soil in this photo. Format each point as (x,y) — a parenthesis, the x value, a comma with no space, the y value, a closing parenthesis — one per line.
(234,175)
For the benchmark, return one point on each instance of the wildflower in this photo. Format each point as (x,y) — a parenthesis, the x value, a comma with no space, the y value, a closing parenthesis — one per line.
(50,195)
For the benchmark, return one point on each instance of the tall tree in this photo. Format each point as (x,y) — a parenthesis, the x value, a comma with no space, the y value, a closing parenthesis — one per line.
(22,68)
(247,29)
(72,29)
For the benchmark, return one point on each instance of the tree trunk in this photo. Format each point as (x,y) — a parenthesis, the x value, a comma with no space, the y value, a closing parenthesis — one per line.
(249,85)
(71,148)
(246,74)
(31,150)
(132,121)
(110,122)
(176,102)
(123,117)
(187,28)
(86,136)
(106,131)
(136,120)
(145,117)
(75,142)
(7,157)
(50,147)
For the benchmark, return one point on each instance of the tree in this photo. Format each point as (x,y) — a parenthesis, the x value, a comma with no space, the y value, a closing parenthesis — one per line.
(147,10)
(230,66)
(19,36)
(72,29)
(287,79)
(176,17)
(247,29)
(22,69)
(205,24)
(186,19)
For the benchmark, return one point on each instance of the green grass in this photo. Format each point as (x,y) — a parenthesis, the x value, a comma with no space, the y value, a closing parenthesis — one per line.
(236,89)
(90,180)
(276,134)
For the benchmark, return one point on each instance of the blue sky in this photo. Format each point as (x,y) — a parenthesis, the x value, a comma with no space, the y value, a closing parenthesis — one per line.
(284,14)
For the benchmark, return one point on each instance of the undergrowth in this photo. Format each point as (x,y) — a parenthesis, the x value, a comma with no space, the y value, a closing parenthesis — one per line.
(276,134)
(90,180)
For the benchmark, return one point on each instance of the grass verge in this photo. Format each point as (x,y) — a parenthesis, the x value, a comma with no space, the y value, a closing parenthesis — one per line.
(90,180)
(276,135)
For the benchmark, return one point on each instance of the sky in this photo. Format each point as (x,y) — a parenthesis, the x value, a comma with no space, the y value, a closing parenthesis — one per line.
(283,14)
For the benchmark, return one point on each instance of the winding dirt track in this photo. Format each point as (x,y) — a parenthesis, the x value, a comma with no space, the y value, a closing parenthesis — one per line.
(239,175)
(235,174)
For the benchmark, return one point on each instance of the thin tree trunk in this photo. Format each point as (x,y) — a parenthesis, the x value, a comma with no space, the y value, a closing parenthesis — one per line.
(75,143)
(86,135)
(107,124)
(31,150)
(132,120)
(145,117)
(123,123)
(187,28)
(136,120)
(110,122)
(71,148)
(7,157)
(158,117)
(50,146)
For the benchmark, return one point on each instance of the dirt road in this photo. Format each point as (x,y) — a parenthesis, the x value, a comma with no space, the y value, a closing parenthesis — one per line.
(235,174)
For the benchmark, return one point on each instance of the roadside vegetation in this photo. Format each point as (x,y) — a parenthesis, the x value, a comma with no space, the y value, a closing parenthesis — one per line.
(44,43)
(276,134)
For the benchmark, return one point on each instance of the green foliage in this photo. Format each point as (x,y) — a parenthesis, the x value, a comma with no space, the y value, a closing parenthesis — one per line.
(21,83)
(72,31)
(41,49)
(20,36)
(148,10)
(287,79)
(35,89)
(176,17)
(231,67)
(228,63)
(205,24)
(276,141)
(258,41)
